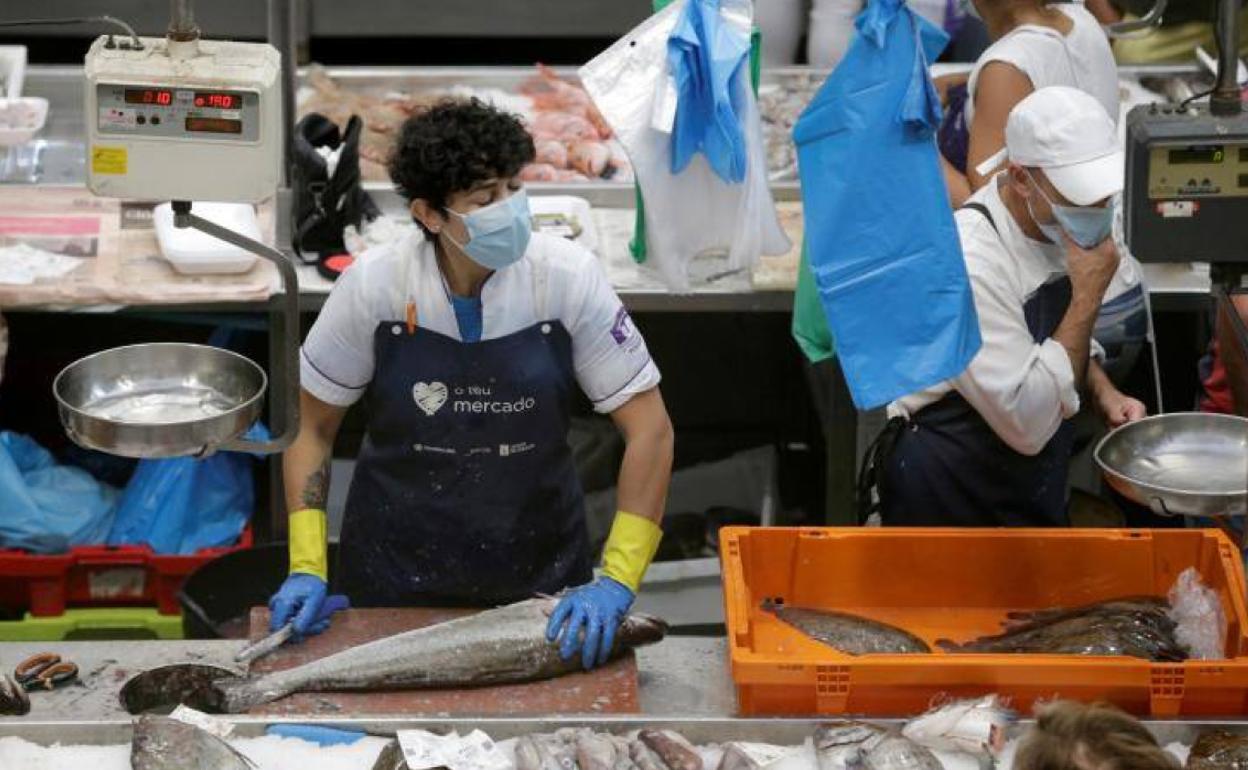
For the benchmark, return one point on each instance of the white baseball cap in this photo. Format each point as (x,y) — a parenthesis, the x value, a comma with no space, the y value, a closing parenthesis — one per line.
(1066,133)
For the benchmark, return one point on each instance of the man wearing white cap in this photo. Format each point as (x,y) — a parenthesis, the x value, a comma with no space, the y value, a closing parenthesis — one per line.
(992,446)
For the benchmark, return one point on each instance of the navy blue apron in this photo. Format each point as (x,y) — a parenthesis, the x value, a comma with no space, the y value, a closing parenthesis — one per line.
(465,492)
(947,467)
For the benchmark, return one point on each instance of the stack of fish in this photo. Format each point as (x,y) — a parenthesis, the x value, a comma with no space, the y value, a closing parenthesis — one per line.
(947,740)
(573,141)
(1139,627)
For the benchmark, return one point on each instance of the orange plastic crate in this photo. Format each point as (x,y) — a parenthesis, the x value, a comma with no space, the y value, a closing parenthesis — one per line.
(959,584)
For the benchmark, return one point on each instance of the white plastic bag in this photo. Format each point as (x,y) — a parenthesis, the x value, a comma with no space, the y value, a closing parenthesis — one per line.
(1197,611)
(693,215)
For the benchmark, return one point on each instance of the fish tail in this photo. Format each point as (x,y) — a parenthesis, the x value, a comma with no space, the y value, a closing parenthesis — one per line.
(241,694)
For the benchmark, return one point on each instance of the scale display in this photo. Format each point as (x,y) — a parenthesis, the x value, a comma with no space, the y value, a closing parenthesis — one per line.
(149,96)
(152,112)
(1197,171)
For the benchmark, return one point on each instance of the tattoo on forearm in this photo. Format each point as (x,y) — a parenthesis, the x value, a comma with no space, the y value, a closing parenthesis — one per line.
(316,488)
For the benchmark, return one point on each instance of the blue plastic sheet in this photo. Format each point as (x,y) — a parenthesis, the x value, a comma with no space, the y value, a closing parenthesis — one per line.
(706,58)
(46,507)
(882,242)
(180,505)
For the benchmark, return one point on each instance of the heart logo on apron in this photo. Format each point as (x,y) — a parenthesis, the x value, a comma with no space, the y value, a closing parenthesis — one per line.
(429,396)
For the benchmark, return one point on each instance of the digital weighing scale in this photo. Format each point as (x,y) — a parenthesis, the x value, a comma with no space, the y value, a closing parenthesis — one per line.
(180,119)
(1186,198)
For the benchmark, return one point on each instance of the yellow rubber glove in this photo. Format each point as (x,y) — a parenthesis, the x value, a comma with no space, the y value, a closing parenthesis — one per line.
(309,542)
(630,548)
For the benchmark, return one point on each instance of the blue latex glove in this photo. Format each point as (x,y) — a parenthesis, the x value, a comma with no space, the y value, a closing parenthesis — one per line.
(597,609)
(299,599)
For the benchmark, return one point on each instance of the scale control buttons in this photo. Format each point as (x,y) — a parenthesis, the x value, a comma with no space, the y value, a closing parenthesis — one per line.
(140,120)
(155,120)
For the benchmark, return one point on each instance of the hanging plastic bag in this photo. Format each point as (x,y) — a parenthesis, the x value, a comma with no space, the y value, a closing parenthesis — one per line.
(882,241)
(46,507)
(694,214)
(707,56)
(182,504)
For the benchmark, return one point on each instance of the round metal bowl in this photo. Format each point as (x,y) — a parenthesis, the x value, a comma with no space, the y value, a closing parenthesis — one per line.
(1181,464)
(159,400)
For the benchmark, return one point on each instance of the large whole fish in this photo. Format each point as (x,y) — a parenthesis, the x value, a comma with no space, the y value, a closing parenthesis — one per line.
(1135,627)
(498,646)
(1219,750)
(161,743)
(849,634)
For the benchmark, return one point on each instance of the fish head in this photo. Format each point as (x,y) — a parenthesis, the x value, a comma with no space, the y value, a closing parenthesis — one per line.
(639,629)
(163,688)
(13,698)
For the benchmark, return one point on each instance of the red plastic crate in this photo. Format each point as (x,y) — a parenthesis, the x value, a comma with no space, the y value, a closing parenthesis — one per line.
(99,576)
(958,584)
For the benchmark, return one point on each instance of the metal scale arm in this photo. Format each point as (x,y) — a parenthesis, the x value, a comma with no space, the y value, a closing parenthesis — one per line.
(288,428)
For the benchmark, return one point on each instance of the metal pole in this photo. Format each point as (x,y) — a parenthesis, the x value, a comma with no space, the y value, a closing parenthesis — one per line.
(182,21)
(282,37)
(284,433)
(1225,99)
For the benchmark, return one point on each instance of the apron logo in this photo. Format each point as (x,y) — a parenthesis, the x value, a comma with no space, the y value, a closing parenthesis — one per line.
(429,396)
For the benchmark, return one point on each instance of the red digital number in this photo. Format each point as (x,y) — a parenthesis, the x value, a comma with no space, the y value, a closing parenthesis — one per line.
(149,97)
(164,97)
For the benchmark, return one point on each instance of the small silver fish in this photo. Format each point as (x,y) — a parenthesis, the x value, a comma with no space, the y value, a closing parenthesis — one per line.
(893,751)
(839,745)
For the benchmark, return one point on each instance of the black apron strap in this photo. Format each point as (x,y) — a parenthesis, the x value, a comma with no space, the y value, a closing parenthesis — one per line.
(874,464)
(982,209)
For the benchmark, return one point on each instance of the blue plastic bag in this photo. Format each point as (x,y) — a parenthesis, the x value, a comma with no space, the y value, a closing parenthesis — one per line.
(707,58)
(46,507)
(883,245)
(180,505)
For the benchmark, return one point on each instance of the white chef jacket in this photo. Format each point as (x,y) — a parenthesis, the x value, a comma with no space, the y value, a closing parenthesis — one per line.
(555,280)
(1023,390)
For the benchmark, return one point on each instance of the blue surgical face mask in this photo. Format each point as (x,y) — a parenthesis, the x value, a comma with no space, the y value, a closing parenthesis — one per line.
(498,234)
(1087,226)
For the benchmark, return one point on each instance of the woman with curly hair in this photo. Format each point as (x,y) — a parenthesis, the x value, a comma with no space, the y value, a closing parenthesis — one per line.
(469,339)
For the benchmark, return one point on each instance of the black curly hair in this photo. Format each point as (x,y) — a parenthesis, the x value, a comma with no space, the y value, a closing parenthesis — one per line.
(452,146)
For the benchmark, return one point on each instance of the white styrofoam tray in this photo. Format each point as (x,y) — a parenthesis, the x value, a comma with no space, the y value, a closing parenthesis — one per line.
(192,252)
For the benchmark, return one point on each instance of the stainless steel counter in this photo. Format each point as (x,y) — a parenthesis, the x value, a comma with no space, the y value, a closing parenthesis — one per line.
(680,676)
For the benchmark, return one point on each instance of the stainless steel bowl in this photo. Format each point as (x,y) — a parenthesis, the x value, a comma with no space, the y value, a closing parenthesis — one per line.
(1186,463)
(159,400)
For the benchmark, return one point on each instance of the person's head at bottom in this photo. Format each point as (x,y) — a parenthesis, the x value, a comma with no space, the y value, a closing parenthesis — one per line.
(1075,736)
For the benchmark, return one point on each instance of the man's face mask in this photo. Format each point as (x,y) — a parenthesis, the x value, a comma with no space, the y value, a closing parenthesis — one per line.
(1087,226)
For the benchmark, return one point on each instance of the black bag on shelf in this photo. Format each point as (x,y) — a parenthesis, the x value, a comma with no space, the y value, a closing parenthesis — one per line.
(325,205)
